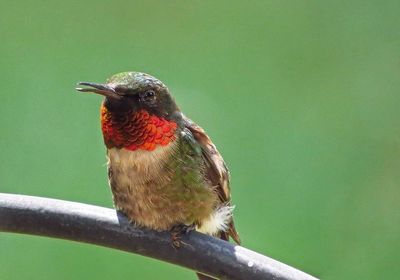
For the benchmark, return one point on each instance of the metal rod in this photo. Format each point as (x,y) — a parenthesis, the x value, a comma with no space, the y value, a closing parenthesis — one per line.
(109,228)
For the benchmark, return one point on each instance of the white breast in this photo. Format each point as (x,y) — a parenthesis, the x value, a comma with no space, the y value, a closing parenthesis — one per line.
(132,168)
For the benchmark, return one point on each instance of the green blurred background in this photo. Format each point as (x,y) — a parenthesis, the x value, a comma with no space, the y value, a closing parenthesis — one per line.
(301,97)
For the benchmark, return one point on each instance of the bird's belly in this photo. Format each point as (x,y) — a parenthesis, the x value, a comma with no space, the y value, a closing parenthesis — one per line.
(148,192)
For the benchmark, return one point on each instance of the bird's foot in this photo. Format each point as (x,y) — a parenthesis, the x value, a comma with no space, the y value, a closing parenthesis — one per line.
(176,233)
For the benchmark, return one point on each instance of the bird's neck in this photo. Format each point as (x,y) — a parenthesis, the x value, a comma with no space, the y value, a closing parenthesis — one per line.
(137,130)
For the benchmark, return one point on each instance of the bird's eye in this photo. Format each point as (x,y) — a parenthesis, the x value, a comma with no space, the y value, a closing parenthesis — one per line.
(148,96)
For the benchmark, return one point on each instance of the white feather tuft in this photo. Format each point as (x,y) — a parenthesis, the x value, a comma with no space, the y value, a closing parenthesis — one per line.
(218,221)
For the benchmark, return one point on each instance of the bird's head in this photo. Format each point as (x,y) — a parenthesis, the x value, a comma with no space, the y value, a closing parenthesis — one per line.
(134,91)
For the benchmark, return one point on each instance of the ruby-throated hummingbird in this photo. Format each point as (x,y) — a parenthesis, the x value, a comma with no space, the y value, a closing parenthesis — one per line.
(163,169)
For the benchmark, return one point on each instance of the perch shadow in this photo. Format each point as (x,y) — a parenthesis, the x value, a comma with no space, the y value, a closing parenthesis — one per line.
(109,228)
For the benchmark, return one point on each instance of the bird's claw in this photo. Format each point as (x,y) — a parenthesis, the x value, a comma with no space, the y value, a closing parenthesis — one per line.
(176,233)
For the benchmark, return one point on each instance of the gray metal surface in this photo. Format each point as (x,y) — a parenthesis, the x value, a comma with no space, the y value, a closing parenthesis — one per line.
(109,228)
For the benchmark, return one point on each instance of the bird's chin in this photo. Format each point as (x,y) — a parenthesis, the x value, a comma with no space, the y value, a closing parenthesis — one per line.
(120,105)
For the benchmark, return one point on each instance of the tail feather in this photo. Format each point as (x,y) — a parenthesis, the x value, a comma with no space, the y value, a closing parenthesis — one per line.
(233,233)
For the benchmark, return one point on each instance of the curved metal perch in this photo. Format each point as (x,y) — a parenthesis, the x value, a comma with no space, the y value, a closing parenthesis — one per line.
(109,228)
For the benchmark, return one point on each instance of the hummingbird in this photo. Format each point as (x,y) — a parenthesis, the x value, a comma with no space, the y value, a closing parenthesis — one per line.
(164,171)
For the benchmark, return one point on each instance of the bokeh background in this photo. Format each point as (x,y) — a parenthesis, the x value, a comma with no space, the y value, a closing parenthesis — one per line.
(301,97)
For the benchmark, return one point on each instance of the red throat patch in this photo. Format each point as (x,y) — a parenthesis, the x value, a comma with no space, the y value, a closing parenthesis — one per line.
(136,131)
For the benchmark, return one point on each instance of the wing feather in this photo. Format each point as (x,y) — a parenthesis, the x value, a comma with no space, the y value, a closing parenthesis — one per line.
(216,171)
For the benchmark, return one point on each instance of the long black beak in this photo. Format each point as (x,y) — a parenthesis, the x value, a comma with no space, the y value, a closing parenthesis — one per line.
(102,89)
